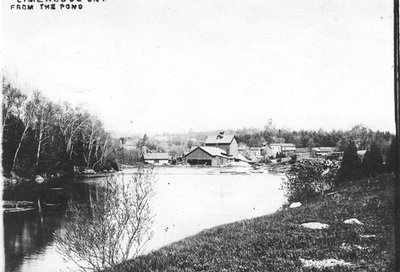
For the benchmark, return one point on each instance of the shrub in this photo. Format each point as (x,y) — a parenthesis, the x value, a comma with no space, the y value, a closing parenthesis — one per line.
(351,164)
(113,227)
(373,162)
(293,158)
(391,156)
(309,178)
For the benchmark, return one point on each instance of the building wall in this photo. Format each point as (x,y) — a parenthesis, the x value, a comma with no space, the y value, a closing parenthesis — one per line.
(288,150)
(157,162)
(218,161)
(234,148)
(317,153)
(225,147)
(273,149)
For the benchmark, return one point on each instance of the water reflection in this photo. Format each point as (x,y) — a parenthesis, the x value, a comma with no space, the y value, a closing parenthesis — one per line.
(28,234)
(25,234)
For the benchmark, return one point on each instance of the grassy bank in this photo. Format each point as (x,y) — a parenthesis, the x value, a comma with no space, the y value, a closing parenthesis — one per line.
(278,242)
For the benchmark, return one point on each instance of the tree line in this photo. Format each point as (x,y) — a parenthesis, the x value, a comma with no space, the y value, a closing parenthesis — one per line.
(47,138)
(362,136)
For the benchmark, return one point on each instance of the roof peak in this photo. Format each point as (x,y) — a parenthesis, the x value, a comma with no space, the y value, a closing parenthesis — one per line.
(219,139)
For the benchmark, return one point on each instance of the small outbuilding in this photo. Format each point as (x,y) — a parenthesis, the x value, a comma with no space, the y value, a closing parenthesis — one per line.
(156,158)
(322,151)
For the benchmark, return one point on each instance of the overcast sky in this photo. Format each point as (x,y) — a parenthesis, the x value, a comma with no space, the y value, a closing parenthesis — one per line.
(168,66)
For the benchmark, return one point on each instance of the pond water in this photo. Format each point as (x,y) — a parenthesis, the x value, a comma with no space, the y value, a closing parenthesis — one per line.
(187,201)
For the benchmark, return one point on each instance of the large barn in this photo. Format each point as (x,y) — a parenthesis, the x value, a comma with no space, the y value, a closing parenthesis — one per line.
(228,143)
(208,155)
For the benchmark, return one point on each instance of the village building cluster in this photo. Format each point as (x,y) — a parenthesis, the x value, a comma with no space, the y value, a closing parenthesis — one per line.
(223,149)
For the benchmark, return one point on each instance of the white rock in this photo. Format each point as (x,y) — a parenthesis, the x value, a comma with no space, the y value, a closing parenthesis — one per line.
(315,225)
(39,179)
(353,221)
(295,205)
(324,263)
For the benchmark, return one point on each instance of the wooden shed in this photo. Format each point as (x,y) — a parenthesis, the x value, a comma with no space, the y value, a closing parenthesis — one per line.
(156,158)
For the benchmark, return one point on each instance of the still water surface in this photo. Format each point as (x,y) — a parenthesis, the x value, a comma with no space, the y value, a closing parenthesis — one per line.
(187,201)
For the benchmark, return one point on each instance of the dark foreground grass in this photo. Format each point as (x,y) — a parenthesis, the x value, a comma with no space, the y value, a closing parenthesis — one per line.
(277,242)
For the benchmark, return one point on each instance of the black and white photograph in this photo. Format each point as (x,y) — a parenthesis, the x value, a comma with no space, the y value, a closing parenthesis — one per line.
(200,135)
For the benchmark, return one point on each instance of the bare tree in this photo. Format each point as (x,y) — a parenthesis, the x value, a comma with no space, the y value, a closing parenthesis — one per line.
(102,151)
(27,119)
(93,138)
(113,227)
(43,114)
(12,101)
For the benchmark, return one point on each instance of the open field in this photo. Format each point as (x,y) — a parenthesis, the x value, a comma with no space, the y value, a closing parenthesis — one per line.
(278,242)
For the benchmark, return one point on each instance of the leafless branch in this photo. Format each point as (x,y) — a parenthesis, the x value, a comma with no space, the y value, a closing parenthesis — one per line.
(112,229)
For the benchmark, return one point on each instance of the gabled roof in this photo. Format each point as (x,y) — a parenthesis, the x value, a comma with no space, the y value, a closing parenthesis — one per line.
(212,151)
(156,156)
(219,139)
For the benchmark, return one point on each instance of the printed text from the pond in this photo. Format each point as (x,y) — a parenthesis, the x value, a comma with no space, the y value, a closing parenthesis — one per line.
(52,4)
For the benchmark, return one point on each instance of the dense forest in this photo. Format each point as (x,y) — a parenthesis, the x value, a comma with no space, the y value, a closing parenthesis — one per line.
(47,138)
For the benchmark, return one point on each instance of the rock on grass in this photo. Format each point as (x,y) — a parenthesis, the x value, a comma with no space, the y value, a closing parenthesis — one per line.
(315,225)
(324,263)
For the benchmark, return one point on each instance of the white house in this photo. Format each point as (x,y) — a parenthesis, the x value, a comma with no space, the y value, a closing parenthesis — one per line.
(284,148)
